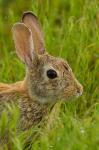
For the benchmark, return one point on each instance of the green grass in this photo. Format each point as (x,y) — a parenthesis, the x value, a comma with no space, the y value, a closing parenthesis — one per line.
(71,29)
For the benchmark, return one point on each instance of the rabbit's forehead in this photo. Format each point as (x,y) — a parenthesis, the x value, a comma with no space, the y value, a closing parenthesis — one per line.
(53,62)
(57,64)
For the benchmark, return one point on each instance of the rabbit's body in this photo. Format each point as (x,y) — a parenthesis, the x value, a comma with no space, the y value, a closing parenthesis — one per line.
(31,111)
(48,79)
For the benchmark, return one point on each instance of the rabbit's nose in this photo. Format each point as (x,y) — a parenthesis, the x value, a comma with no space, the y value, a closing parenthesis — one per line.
(79,90)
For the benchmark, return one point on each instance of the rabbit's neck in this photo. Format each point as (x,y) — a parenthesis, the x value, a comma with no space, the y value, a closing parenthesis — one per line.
(25,87)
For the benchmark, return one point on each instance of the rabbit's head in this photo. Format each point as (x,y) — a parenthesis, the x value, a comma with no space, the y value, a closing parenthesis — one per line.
(48,78)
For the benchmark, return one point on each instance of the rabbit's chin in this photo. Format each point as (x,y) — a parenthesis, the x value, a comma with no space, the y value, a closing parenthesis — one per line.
(53,100)
(71,98)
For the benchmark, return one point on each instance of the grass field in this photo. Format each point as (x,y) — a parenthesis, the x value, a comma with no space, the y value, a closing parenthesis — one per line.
(71,30)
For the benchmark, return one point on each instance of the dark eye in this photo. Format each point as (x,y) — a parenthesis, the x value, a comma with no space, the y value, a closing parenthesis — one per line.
(51,74)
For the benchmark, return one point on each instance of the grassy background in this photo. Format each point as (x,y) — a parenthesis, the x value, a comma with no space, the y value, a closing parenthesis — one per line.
(71,29)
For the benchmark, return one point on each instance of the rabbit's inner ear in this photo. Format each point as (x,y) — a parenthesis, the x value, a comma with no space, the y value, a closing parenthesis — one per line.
(31,21)
(23,42)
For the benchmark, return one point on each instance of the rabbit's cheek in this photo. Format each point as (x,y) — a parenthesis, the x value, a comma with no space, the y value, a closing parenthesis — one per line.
(63,84)
(68,92)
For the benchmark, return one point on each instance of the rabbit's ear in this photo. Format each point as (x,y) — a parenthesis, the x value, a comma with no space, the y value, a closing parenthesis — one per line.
(31,21)
(23,42)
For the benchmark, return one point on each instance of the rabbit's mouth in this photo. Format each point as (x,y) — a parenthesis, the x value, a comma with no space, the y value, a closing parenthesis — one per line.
(78,94)
(70,97)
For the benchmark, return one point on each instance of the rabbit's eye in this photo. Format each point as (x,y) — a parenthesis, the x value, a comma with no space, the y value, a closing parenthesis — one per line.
(51,74)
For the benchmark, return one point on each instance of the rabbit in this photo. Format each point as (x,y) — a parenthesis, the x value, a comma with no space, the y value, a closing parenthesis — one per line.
(48,79)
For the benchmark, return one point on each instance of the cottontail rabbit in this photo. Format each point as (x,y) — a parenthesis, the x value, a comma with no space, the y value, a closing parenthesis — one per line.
(48,79)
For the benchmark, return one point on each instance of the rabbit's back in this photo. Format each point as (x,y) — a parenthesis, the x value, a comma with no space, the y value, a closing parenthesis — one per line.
(18,86)
(4,87)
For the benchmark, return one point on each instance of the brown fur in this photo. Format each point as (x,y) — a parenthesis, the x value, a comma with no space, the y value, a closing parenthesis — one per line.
(31,111)
(37,93)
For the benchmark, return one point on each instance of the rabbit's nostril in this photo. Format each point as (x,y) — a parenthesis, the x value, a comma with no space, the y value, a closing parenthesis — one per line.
(79,90)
